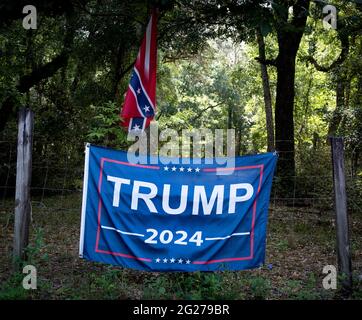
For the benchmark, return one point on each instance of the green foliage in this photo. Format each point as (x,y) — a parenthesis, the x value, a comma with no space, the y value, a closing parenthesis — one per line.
(34,251)
(283,245)
(107,284)
(207,77)
(183,286)
(194,286)
(357,286)
(105,127)
(12,288)
(220,285)
(208,91)
(260,287)
(308,292)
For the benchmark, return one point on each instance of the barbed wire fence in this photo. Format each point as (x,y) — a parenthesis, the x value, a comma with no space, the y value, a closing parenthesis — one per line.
(57,181)
(55,176)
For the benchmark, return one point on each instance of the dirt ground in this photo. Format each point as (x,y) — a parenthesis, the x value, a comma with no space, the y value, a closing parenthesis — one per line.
(300,242)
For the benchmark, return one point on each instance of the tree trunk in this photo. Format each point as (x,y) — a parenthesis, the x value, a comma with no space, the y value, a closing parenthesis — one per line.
(230,117)
(289,37)
(284,111)
(343,91)
(337,113)
(266,92)
(237,141)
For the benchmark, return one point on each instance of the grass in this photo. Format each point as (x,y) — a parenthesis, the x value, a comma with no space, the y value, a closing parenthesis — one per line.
(299,245)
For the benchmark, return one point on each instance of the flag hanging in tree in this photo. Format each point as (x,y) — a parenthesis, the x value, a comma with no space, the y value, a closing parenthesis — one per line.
(140,102)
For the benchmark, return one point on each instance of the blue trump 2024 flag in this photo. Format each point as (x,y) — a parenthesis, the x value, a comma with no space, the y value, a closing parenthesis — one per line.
(180,217)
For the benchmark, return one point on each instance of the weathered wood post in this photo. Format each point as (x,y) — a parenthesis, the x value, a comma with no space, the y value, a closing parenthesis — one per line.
(23,180)
(340,202)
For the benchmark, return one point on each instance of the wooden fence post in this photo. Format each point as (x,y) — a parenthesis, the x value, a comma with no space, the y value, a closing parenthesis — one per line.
(23,180)
(340,202)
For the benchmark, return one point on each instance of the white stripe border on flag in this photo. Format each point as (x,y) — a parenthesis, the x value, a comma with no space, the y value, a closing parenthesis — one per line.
(84,200)
(148,48)
(143,88)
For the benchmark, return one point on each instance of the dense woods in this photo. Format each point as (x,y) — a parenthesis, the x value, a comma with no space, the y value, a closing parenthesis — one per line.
(257,67)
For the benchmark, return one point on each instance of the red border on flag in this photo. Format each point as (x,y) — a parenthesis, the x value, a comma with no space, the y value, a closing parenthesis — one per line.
(261,168)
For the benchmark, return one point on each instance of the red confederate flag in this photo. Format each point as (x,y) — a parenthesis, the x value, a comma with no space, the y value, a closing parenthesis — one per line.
(140,102)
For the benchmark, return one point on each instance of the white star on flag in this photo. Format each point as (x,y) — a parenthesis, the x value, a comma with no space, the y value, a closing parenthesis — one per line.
(172,260)
(165,168)
(189,170)
(140,98)
(158,260)
(182,169)
(165,260)
(197,169)
(173,168)
(180,260)
(136,127)
(188,261)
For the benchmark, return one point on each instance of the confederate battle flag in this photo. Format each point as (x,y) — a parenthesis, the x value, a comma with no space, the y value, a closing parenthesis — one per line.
(140,102)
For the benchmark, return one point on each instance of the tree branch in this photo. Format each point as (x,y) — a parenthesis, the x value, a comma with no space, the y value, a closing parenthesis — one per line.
(267,62)
(50,68)
(342,57)
(205,109)
(45,71)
